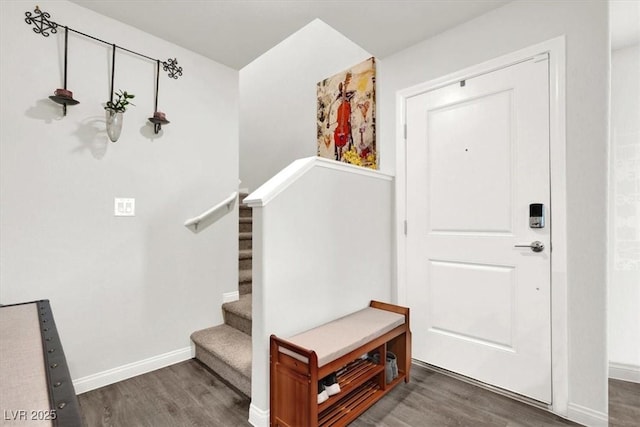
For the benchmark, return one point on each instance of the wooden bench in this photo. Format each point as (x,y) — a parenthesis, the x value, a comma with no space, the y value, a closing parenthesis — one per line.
(299,362)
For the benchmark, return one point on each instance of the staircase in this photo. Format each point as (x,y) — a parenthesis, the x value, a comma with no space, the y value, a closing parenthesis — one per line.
(226,349)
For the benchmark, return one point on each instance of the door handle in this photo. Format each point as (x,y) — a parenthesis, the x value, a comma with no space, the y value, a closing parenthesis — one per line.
(536,246)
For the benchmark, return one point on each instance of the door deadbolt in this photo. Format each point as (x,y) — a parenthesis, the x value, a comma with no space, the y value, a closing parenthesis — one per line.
(536,246)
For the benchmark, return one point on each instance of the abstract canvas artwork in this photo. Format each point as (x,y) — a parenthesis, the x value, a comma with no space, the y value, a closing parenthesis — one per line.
(347,116)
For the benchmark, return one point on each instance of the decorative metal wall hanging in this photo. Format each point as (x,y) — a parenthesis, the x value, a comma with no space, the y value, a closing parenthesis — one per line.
(64,96)
(171,67)
(41,22)
(43,25)
(159,118)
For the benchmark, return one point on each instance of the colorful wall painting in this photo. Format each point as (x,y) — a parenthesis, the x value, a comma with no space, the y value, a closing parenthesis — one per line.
(346,116)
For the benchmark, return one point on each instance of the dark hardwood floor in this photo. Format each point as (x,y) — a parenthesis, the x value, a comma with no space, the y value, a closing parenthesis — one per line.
(434,399)
(624,403)
(188,394)
(184,394)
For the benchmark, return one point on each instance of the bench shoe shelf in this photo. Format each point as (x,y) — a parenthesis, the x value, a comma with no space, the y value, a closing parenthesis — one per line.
(295,374)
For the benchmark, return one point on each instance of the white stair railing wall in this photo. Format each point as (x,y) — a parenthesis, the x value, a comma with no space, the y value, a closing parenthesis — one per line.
(322,248)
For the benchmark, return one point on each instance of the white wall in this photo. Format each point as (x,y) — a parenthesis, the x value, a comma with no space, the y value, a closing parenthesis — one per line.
(278,99)
(321,251)
(515,26)
(123,290)
(624,209)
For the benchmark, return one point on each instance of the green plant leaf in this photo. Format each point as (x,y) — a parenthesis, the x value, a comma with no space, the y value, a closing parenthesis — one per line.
(121,101)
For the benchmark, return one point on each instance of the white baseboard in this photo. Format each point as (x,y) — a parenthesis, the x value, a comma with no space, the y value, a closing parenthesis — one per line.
(622,371)
(111,376)
(587,416)
(258,417)
(230,296)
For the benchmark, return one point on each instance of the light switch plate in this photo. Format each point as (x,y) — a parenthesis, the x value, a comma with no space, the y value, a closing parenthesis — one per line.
(124,206)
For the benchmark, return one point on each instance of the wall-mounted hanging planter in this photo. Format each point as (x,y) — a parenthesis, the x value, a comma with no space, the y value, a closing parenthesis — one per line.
(114,113)
(114,123)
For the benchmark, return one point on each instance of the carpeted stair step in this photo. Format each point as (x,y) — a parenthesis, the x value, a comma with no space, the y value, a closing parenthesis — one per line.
(245,211)
(245,259)
(244,282)
(244,276)
(245,241)
(245,288)
(237,314)
(245,224)
(227,352)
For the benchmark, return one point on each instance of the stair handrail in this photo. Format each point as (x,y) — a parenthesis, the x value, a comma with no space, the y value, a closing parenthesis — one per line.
(212,215)
(291,173)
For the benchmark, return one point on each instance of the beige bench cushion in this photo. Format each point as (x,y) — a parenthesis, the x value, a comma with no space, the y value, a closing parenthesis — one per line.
(339,337)
(22,364)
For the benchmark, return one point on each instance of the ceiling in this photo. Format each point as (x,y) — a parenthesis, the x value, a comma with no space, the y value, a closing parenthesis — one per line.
(235,32)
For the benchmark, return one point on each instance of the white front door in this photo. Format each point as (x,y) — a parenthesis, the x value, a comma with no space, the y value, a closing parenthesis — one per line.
(477,157)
